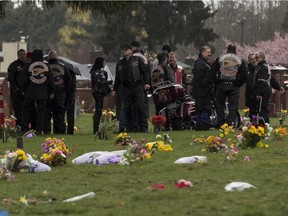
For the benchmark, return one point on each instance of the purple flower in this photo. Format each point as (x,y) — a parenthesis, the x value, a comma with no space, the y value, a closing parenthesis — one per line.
(114,159)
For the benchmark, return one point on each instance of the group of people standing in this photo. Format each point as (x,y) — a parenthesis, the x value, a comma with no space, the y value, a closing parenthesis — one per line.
(134,78)
(40,91)
(220,82)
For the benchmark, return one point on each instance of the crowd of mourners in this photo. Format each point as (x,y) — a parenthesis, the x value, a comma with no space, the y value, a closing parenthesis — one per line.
(42,90)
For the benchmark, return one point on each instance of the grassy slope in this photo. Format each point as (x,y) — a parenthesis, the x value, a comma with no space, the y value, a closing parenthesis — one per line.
(122,190)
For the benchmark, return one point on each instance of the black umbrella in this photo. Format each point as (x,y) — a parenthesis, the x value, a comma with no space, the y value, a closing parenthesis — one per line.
(70,65)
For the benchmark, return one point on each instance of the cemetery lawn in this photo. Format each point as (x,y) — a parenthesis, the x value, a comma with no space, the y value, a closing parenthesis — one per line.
(124,190)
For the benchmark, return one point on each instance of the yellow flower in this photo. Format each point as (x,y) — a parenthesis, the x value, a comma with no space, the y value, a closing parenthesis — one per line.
(224,126)
(226,133)
(148,156)
(203,150)
(23,200)
(149,145)
(221,135)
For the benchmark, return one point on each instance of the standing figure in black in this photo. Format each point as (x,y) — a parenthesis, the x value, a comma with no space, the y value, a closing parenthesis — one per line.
(229,73)
(70,104)
(132,73)
(249,82)
(16,77)
(39,85)
(202,91)
(56,105)
(100,88)
(262,85)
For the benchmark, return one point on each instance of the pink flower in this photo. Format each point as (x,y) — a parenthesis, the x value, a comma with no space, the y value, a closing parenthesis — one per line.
(183,183)
(246,158)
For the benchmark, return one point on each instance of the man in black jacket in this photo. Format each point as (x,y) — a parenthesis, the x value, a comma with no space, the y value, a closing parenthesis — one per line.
(262,83)
(56,105)
(201,90)
(16,77)
(229,73)
(132,73)
(39,86)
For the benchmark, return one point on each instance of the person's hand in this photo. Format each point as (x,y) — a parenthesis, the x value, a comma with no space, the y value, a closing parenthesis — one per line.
(146,86)
(113,93)
(282,90)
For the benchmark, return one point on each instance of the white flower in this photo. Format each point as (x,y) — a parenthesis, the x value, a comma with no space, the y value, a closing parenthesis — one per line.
(244,128)
(158,136)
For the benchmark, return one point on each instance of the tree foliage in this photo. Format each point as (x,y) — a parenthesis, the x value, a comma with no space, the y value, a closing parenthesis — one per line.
(276,49)
(247,22)
(157,23)
(106,8)
(38,25)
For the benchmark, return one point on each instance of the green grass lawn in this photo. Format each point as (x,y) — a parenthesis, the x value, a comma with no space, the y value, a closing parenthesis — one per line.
(123,190)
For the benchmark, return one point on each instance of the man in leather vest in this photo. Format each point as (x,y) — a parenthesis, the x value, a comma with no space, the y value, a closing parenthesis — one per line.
(39,86)
(229,73)
(56,105)
(201,90)
(262,85)
(132,73)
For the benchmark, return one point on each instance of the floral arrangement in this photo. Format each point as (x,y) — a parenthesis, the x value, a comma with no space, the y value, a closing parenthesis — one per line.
(279,134)
(250,136)
(246,112)
(54,152)
(137,151)
(107,115)
(123,139)
(159,144)
(158,121)
(5,173)
(231,153)
(8,127)
(182,183)
(107,126)
(215,143)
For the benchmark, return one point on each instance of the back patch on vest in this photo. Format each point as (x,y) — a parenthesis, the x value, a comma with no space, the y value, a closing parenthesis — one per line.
(229,65)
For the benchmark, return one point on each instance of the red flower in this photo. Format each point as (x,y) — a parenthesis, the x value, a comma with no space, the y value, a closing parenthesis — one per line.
(158,120)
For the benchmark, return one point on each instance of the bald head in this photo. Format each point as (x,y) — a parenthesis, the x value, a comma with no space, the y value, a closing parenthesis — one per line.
(52,54)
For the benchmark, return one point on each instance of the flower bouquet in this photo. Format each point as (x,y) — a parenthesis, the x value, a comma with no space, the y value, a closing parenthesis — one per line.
(279,134)
(137,151)
(8,127)
(215,143)
(251,135)
(158,122)
(54,152)
(246,112)
(20,161)
(122,140)
(107,126)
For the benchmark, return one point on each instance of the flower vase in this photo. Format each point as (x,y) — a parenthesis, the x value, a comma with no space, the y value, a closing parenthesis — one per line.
(156,130)
(5,137)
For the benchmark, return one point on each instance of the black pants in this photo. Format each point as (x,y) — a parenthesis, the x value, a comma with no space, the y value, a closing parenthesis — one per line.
(134,102)
(261,107)
(98,98)
(17,103)
(70,113)
(29,108)
(231,93)
(56,111)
